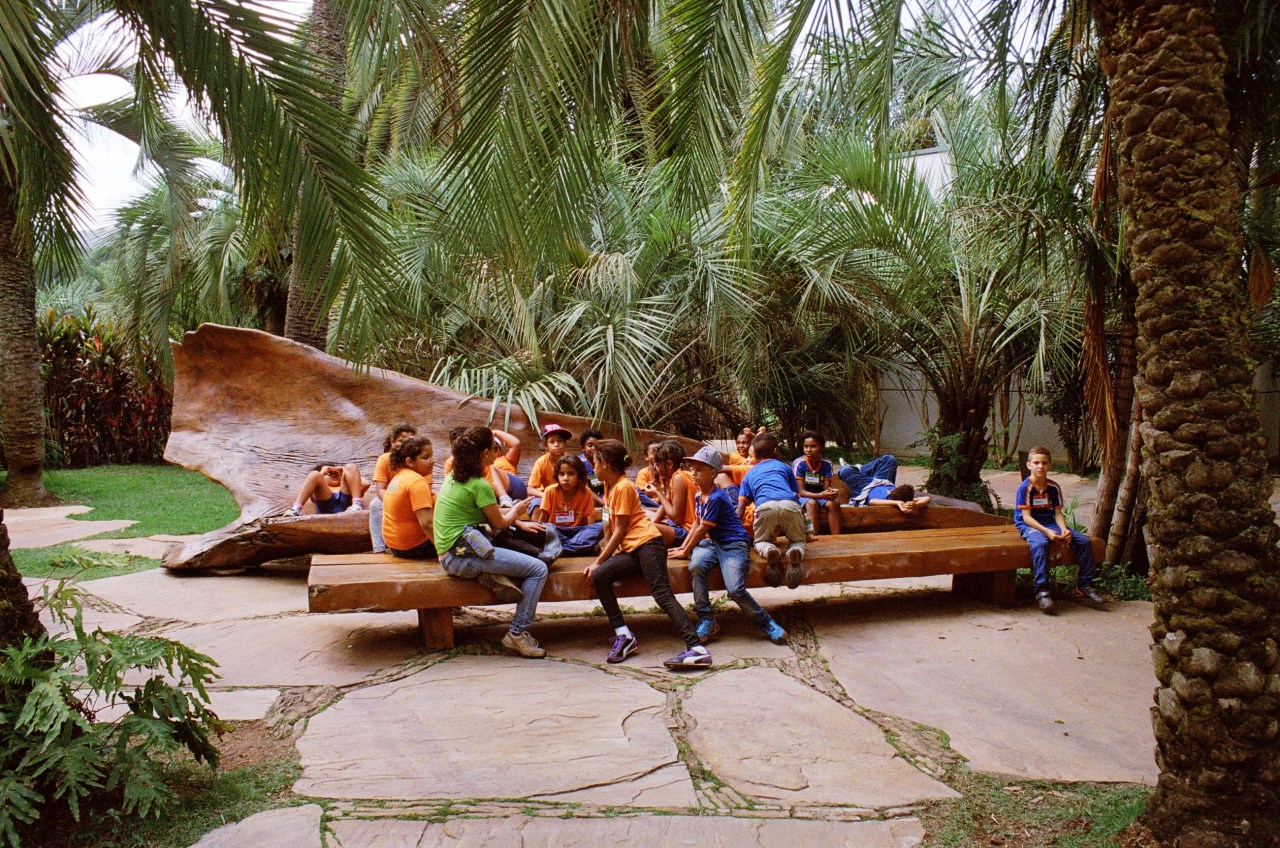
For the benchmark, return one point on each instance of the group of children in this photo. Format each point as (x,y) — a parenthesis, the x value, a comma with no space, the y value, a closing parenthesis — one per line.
(700,508)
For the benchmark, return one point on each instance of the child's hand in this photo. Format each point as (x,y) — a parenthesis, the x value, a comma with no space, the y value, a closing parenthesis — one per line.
(591,567)
(828,494)
(679,553)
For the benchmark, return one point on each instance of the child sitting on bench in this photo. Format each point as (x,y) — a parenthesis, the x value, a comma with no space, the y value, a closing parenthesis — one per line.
(334,488)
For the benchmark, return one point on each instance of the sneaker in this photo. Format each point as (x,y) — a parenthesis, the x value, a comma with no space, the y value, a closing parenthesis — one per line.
(794,574)
(689,658)
(293,510)
(774,631)
(355,507)
(502,586)
(773,570)
(379,550)
(1091,597)
(1045,601)
(524,645)
(707,627)
(623,647)
(505,502)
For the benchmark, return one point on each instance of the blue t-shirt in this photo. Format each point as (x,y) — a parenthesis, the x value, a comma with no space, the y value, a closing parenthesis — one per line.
(876,491)
(594,483)
(812,477)
(1044,503)
(769,480)
(717,509)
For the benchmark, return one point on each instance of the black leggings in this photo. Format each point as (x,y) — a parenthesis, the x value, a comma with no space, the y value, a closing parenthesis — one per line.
(650,559)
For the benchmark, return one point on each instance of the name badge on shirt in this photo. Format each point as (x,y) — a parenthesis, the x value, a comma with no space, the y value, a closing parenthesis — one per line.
(564,517)
(605,517)
(1040,500)
(812,478)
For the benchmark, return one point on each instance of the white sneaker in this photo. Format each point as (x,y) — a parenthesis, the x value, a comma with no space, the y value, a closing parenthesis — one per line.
(293,510)
(524,645)
(355,507)
(505,502)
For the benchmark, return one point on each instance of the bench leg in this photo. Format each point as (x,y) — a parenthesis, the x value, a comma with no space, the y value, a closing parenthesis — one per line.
(436,627)
(993,587)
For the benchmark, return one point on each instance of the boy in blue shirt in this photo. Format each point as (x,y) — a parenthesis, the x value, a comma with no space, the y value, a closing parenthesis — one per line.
(1038,517)
(718,538)
(771,486)
(813,477)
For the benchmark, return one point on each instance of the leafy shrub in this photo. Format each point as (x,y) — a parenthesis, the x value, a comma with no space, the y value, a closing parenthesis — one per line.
(102,404)
(52,750)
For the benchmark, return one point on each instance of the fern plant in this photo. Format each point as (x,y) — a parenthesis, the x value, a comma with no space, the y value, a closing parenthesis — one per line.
(52,748)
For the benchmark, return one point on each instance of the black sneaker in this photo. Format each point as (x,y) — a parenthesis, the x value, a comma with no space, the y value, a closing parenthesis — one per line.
(794,575)
(1045,601)
(773,571)
(1091,597)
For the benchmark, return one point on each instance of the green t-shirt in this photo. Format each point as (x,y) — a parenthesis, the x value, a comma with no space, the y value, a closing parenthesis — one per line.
(458,505)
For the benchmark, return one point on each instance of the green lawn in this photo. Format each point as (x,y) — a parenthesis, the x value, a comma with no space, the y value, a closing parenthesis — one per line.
(163,499)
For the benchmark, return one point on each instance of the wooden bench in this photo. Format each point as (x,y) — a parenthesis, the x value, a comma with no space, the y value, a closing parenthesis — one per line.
(981,551)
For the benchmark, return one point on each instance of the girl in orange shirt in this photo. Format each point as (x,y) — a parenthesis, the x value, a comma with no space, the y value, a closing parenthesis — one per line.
(632,544)
(568,506)
(674,491)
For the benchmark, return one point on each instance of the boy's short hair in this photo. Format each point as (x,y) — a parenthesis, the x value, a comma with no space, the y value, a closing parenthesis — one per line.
(815,435)
(590,433)
(1040,450)
(904,492)
(765,445)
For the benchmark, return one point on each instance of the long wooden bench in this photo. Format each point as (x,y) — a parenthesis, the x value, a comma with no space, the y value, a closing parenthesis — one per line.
(981,551)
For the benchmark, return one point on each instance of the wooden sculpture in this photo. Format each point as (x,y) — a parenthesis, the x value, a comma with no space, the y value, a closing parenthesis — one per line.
(255,412)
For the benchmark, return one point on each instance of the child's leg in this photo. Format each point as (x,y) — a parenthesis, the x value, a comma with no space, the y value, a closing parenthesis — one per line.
(811,511)
(653,562)
(704,558)
(791,523)
(516,487)
(1082,547)
(352,483)
(765,529)
(314,486)
(1039,544)
(610,571)
(882,468)
(734,564)
(579,540)
(833,517)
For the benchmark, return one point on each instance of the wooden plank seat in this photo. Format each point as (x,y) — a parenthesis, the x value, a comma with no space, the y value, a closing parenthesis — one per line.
(982,558)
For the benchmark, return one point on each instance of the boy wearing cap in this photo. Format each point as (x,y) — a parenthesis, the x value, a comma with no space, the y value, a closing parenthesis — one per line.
(554,438)
(718,538)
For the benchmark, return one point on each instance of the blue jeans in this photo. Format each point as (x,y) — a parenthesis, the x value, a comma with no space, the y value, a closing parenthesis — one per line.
(734,561)
(533,573)
(579,540)
(881,468)
(1039,543)
(517,489)
(375,526)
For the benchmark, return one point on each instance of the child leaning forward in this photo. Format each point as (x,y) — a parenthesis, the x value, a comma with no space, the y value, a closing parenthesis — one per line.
(719,539)
(568,507)
(632,544)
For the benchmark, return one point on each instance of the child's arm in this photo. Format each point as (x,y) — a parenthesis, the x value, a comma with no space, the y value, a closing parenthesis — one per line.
(1036,525)
(700,530)
(611,544)
(513,446)
(742,506)
(541,516)
(679,499)
(424,516)
(902,506)
(1063,531)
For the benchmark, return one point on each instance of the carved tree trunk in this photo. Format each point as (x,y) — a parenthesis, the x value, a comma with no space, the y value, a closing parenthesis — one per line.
(21,385)
(1215,568)
(306,315)
(18,617)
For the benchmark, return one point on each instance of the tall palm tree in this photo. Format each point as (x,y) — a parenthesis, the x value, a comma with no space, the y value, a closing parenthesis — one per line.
(241,69)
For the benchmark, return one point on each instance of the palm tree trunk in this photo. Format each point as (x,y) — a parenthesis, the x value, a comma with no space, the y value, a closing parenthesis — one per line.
(21,384)
(306,313)
(1212,538)
(1127,494)
(18,617)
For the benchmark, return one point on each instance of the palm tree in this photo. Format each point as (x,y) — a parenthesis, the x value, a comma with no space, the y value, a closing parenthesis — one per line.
(241,69)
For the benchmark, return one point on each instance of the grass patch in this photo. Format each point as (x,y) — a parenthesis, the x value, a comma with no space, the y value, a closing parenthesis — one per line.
(161,498)
(1032,813)
(71,561)
(206,800)
(1115,580)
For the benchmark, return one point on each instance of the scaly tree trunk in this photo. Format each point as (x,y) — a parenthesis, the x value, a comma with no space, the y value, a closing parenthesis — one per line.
(21,385)
(1215,569)
(18,617)
(306,314)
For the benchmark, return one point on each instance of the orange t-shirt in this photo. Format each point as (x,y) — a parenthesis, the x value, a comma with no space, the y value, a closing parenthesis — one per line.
(737,472)
(690,490)
(543,473)
(644,477)
(504,464)
(382,471)
(577,511)
(407,493)
(622,503)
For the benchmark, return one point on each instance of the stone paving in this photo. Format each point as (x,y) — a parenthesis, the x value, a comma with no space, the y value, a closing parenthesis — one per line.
(839,737)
